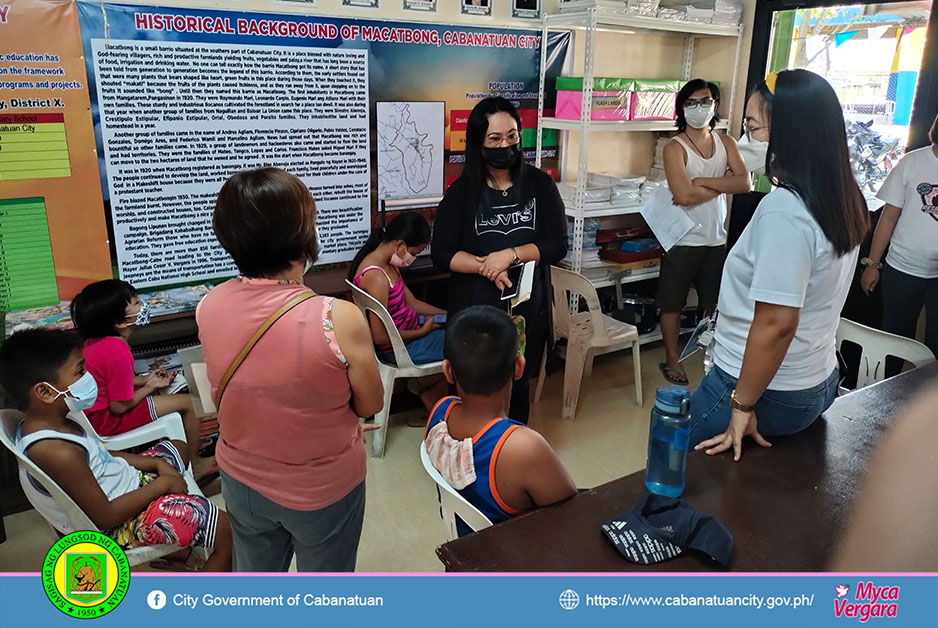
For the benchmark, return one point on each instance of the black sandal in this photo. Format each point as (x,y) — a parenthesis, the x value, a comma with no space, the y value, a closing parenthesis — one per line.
(679,377)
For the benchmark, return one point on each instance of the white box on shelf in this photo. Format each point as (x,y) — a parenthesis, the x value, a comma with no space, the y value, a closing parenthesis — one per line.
(594,193)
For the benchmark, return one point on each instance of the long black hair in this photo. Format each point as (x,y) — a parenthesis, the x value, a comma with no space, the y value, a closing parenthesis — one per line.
(475,170)
(808,155)
(411,227)
(687,91)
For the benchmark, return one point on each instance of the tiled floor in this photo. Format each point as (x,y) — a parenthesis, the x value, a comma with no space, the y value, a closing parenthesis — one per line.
(402,525)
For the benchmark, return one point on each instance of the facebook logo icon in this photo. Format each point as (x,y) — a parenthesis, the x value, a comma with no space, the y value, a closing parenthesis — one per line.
(156,599)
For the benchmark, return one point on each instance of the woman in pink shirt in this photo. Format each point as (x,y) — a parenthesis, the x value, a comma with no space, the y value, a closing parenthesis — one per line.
(290,450)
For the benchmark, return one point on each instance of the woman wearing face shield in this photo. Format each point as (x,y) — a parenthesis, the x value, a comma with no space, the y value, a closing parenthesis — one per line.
(702,167)
(500,212)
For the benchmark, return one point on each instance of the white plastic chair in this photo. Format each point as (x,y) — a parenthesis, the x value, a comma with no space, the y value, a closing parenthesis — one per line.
(389,373)
(875,345)
(451,502)
(588,334)
(76,517)
(167,426)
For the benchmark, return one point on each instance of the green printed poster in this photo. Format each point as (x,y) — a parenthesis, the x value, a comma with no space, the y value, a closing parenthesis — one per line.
(27,271)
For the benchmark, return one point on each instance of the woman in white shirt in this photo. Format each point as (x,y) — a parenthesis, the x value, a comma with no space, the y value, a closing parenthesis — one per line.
(909,226)
(786,279)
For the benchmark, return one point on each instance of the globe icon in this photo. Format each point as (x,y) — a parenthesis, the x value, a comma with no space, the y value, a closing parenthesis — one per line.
(569,600)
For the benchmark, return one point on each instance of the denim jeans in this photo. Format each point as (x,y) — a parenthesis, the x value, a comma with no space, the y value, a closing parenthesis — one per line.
(779,412)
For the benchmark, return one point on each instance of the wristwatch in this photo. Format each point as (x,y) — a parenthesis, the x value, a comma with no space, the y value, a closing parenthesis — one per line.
(739,406)
(517,259)
(868,262)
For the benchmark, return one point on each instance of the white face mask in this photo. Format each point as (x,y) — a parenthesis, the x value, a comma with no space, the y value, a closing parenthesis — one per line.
(403,262)
(309,262)
(698,117)
(753,153)
(84,392)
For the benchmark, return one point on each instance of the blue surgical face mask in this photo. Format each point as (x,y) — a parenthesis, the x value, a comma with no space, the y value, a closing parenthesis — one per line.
(143,316)
(81,395)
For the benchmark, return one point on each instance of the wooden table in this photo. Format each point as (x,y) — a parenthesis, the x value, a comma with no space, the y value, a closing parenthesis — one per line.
(784,506)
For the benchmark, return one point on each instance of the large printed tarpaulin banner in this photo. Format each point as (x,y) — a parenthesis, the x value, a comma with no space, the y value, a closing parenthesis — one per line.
(358,109)
(53,238)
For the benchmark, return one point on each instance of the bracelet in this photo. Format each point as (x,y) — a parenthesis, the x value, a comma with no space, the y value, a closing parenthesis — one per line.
(517,259)
(736,405)
(868,262)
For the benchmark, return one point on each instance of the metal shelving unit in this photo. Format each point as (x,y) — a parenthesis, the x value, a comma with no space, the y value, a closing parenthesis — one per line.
(609,19)
(604,210)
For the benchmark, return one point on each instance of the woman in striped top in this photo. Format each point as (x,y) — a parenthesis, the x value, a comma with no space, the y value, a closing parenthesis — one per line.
(376,270)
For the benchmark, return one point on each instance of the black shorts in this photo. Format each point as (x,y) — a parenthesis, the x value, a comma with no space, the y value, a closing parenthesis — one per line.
(683,266)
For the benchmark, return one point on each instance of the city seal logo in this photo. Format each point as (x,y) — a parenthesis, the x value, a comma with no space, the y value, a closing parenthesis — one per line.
(86,574)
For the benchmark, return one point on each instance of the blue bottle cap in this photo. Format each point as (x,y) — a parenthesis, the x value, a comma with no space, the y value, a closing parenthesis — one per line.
(673,399)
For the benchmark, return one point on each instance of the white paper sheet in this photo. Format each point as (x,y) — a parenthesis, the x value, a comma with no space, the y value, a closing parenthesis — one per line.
(203,387)
(668,221)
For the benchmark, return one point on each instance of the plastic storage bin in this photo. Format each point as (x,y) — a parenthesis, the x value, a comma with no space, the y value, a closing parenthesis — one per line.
(611,98)
(654,100)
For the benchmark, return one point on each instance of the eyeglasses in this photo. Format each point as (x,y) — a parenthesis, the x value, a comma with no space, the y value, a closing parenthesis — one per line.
(706,103)
(748,129)
(494,139)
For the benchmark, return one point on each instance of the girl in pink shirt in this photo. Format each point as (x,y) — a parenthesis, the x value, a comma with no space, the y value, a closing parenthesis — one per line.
(106,313)
(376,269)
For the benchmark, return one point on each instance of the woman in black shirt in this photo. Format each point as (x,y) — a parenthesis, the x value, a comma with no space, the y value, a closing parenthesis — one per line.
(499,212)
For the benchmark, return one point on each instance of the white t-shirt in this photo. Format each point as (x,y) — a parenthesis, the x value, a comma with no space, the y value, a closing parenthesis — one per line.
(912,186)
(784,258)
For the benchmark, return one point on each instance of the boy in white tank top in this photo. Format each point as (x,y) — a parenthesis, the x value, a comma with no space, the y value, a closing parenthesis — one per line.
(134,499)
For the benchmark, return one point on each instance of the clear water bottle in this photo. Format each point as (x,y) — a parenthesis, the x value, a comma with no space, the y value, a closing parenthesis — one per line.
(668,437)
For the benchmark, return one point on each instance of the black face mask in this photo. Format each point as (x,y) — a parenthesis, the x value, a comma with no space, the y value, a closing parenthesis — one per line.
(501,158)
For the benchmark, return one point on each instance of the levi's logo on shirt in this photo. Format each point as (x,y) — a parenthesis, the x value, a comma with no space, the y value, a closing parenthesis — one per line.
(929,194)
(506,219)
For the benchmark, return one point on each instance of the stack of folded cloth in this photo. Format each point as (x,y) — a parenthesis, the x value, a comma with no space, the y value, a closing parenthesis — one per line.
(650,186)
(657,169)
(727,12)
(625,191)
(590,258)
(647,8)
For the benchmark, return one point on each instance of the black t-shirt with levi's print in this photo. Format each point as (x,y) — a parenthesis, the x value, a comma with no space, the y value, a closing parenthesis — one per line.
(532,212)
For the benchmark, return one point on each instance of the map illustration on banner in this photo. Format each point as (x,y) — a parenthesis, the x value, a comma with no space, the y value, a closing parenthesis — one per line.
(410,149)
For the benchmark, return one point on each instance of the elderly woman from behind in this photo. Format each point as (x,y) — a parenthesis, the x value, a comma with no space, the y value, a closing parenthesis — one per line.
(290,450)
